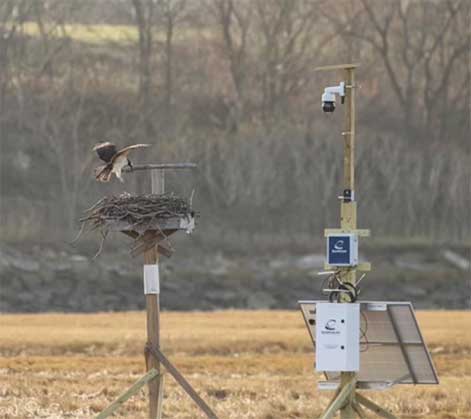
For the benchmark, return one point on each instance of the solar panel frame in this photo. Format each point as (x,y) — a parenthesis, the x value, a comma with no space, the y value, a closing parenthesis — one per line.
(395,354)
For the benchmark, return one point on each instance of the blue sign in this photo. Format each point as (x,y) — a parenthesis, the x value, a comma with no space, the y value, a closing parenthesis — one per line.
(338,248)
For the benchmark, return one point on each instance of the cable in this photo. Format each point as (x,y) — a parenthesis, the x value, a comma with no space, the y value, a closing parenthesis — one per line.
(364,332)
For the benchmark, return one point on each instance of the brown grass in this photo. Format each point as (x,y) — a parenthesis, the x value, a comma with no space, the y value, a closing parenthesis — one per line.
(246,364)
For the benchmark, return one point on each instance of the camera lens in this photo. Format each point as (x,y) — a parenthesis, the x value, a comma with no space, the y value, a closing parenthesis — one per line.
(328,106)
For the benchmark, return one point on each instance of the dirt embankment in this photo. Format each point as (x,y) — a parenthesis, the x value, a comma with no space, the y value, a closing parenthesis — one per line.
(43,279)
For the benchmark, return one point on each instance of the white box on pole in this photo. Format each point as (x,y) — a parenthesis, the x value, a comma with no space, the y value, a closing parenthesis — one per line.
(337,337)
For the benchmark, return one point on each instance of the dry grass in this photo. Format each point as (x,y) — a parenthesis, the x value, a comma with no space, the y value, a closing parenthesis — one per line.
(246,364)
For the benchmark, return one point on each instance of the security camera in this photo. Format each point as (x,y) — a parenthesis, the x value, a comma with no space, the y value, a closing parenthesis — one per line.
(328,97)
(328,102)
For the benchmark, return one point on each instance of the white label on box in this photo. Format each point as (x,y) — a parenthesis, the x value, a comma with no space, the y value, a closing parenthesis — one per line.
(151,279)
(377,306)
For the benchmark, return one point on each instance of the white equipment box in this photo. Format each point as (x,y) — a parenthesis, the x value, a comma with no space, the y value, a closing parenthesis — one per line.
(337,337)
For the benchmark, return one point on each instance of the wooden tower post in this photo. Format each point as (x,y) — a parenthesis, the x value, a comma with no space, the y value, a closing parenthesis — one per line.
(151,257)
(348,209)
(345,400)
(155,358)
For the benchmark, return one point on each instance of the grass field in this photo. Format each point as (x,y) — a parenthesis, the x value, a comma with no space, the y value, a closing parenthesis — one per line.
(100,34)
(245,364)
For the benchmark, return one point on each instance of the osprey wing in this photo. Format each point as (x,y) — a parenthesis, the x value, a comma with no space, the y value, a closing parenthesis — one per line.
(125,151)
(103,173)
(105,151)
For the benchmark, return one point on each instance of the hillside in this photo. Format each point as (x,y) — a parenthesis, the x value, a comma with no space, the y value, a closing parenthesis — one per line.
(48,279)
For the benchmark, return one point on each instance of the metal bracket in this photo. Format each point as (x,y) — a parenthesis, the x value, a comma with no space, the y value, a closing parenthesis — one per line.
(188,224)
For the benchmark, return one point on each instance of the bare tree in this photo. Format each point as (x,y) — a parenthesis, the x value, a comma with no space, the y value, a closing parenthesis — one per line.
(420,45)
(292,41)
(234,20)
(13,14)
(171,14)
(144,11)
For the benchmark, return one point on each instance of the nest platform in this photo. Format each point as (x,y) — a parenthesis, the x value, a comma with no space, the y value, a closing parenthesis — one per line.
(148,219)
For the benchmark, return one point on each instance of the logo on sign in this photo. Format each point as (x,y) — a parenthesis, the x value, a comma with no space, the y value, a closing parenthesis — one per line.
(339,247)
(330,325)
(330,328)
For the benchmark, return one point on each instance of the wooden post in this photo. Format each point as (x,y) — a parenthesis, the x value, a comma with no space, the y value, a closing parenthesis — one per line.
(348,215)
(349,134)
(348,212)
(151,257)
(155,359)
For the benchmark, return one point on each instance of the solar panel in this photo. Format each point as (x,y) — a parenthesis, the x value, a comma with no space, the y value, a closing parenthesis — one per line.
(393,350)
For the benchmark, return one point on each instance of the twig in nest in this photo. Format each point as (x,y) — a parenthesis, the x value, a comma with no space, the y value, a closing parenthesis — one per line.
(191,198)
(82,228)
(102,243)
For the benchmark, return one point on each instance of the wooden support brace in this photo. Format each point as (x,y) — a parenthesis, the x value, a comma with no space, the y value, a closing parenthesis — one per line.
(360,412)
(182,381)
(374,407)
(153,373)
(160,397)
(339,401)
(334,397)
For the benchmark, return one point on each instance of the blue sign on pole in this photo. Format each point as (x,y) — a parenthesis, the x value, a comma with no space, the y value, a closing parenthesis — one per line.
(342,250)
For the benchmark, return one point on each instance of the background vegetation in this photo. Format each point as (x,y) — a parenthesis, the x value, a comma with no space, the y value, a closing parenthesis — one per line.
(230,84)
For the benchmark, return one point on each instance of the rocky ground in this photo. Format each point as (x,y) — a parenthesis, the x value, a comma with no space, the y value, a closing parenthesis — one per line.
(45,279)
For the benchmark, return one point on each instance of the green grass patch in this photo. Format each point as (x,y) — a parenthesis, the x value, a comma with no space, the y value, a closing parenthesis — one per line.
(102,33)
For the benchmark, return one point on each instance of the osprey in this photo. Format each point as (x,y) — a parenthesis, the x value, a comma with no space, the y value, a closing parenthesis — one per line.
(115,160)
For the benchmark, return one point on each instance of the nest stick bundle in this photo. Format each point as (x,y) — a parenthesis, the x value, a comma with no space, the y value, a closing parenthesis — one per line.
(146,218)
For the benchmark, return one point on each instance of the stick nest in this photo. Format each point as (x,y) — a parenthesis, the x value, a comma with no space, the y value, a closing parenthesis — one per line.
(138,215)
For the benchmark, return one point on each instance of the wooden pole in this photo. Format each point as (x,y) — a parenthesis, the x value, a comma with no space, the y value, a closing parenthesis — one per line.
(151,257)
(153,356)
(348,213)
(349,134)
